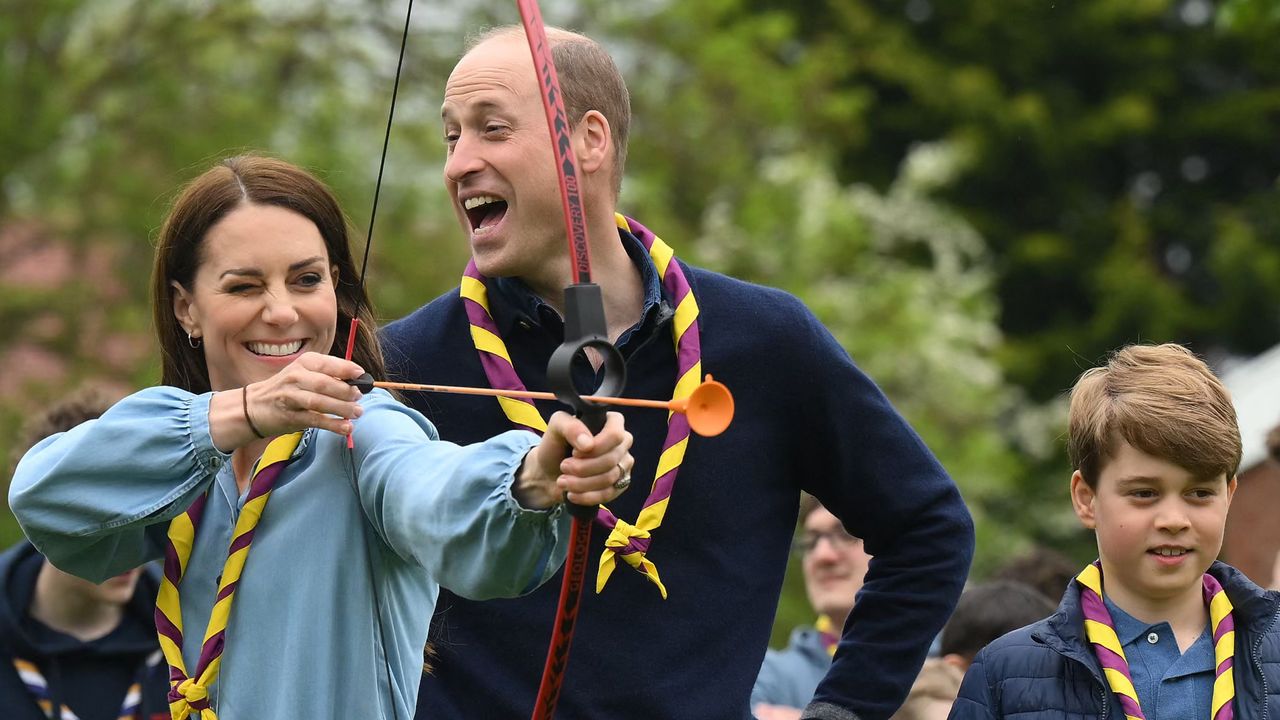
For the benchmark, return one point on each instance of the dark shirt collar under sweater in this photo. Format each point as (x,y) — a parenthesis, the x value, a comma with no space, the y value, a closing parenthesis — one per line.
(519,305)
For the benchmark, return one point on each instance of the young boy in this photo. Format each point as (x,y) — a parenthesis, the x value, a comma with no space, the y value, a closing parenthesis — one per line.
(1145,632)
(987,611)
(71,649)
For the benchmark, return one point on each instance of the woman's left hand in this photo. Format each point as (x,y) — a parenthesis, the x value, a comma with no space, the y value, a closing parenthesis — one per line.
(590,476)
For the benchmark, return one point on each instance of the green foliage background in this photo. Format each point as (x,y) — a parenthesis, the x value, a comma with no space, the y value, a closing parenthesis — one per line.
(979,197)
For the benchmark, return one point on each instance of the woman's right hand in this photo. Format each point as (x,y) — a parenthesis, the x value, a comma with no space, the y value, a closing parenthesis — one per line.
(309,392)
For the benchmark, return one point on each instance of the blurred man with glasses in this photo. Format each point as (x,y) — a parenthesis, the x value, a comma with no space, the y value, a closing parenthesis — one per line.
(834,563)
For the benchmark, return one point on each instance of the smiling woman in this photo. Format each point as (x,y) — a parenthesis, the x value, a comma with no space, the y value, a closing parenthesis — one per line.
(254,307)
(245,210)
(253,277)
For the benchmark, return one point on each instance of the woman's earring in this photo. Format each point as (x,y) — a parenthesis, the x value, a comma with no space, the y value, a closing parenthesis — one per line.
(194,342)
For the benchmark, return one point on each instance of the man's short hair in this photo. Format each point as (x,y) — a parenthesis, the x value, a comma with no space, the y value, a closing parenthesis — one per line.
(589,80)
(1162,400)
(989,610)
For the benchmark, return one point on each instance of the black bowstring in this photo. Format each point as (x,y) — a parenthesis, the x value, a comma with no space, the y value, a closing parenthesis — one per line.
(386,143)
(364,266)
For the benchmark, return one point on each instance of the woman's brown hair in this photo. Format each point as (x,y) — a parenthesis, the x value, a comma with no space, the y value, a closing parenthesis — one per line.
(232,183)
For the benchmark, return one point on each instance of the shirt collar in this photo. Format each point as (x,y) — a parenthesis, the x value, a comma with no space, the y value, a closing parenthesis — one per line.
(1197,659)
(1129,628)
(518,304)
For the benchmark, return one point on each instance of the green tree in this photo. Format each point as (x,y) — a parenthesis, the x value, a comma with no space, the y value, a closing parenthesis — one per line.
(906,285)
(1118,158)
(110,106)
(979,198)
(122,101)
(1249,16)
(1102,135)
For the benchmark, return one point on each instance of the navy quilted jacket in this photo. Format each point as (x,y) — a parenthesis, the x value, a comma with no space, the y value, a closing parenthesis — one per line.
(1047,671)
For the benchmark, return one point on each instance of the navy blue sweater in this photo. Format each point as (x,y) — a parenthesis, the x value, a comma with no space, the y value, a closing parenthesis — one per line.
(807,418)
(1048,671)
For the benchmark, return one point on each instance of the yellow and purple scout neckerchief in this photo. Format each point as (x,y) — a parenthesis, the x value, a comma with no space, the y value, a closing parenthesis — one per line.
(630,542)
(1101,631)
(188,693)
(827,633)
(36,684)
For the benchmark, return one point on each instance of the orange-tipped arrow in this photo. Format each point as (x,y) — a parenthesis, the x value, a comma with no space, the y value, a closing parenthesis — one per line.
(709,407)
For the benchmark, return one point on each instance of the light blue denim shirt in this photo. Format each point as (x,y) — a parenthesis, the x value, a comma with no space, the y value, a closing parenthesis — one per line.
(331,614)
(1171,684)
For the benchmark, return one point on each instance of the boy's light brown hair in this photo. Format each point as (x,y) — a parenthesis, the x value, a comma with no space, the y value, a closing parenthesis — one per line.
(1162,400)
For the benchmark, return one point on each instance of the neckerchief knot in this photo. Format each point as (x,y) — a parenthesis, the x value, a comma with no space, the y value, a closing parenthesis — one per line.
(630,543)
(195,694)
(828,633)
(626,539)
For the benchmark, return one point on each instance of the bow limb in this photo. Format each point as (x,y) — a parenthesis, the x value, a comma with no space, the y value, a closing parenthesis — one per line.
(585,327)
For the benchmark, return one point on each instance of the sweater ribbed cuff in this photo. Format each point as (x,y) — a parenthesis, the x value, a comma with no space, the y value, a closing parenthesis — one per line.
(827,711)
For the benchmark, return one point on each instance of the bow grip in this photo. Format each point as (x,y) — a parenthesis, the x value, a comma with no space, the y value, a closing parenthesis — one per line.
(584,327)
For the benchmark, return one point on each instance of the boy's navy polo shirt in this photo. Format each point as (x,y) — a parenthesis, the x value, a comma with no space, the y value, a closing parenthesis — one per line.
(1171,684)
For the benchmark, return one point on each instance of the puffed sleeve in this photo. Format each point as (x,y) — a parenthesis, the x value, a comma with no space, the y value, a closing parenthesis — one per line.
(449,508)
(95,500)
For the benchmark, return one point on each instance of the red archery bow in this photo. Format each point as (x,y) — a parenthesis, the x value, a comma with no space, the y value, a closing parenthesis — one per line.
(584,327)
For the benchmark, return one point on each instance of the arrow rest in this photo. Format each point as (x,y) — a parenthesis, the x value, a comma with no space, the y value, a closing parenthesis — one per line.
(585,327)
(364,383)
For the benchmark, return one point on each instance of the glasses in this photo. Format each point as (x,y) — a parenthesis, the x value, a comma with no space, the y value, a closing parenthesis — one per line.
(839,539)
